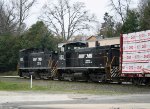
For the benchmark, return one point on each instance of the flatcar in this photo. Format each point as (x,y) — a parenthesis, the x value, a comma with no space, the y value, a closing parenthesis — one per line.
(38,62)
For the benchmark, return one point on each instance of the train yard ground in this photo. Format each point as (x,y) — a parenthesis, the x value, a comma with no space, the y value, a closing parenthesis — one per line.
(15,83)
(15,93)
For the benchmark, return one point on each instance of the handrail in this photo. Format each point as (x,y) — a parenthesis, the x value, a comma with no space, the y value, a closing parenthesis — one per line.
(110,66)
(54,68)
(50,62)
(113,59)
(106,59)
(18,67)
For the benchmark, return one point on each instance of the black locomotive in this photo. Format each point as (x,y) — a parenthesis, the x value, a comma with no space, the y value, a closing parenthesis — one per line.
(100,63)
(38,62)
(75,61)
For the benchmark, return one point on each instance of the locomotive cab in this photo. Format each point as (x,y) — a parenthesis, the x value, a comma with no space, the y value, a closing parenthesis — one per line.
(66,50)
(74,46)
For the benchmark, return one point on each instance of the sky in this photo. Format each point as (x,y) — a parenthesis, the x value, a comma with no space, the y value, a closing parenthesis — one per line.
(97,7)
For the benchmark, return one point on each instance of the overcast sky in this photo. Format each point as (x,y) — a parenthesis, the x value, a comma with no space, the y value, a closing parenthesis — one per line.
(98,7)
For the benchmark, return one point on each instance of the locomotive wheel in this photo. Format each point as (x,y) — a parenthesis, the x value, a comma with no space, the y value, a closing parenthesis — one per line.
(60,79)
(89,80)
(147,82)
(25,77)
(119,82)
(137,81)
(104,79)
(71,79)
(134,81)
(37,76)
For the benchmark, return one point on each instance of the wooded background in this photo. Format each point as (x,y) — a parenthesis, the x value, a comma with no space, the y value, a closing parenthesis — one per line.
(61,21)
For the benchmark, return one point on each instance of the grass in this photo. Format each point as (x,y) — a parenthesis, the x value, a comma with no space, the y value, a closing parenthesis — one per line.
(10,73)
(7,86)
(19,84)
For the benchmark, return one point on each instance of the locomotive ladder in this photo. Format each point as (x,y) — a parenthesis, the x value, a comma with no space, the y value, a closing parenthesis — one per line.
(53,67)
(113,70)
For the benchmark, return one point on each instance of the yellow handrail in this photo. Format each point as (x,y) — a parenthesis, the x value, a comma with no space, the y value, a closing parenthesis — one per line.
(50,62)
(112,60)
(106,59)
(18,67)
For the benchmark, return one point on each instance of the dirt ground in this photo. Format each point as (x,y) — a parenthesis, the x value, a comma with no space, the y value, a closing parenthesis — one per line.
(43,100)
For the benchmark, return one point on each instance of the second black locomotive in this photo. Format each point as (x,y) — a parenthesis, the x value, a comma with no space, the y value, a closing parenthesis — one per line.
(38,62)
(100,63)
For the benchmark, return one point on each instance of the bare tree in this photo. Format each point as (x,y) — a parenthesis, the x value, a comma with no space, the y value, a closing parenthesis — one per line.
(65,19)
(121,7)
(107,28)
(22,10)
(98,28)
(144,12)
(8,22)
(142,4)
